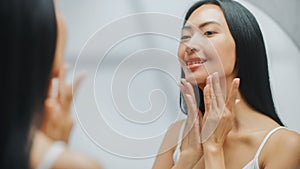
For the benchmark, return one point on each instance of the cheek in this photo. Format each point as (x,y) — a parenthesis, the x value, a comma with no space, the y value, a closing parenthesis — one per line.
(227,56)
(231,55)
(180,53)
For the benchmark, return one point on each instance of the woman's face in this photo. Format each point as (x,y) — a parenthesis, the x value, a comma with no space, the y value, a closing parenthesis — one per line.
(206,45)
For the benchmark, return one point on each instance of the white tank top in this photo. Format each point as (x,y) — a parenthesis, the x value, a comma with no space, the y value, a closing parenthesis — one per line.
(253,164)
(51,155)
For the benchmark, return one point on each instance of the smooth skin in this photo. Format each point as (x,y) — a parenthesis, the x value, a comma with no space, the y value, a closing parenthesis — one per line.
(240,129)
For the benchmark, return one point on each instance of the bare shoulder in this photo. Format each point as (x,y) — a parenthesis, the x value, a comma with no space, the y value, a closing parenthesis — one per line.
(73,160)
(294,136)
(283,150)
(171,137)
(175,127)
(164,158)
(290,140)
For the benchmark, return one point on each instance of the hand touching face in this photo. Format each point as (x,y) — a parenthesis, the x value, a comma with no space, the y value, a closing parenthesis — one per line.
(218,118)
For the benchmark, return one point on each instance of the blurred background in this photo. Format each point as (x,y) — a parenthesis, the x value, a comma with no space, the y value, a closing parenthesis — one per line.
(141,70)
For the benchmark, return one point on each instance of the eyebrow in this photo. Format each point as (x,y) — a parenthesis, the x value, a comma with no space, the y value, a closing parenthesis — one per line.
(188,27)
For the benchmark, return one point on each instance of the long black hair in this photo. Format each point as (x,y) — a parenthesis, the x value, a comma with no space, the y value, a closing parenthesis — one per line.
(251,59)
(28,34)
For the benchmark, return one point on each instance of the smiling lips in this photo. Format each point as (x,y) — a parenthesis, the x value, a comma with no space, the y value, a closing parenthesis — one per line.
(193,64)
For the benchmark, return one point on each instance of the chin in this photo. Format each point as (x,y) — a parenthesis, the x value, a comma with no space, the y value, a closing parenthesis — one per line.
(197,78)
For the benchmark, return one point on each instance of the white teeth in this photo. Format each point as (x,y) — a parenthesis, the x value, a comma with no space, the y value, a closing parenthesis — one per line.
(195,62)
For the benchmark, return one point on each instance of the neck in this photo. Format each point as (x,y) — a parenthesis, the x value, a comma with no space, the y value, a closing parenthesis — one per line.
(248,120)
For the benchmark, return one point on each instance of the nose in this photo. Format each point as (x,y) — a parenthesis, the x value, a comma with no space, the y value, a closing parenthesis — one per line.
(192,45)
(190,49)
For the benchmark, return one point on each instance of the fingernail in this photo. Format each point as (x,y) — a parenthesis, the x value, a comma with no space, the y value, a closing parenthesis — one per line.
(188,95)
(206,87)
(210,78)
(207,79)
(217,77)
(238,81)
(182,81)
(216,74)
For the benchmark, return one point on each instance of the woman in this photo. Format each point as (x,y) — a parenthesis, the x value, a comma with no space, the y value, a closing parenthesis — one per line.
(36,120)
(222,51)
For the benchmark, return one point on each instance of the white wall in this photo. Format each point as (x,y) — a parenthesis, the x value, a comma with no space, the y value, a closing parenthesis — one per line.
(105,133)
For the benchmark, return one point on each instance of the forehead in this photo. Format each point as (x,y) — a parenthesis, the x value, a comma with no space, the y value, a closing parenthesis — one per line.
(207,13)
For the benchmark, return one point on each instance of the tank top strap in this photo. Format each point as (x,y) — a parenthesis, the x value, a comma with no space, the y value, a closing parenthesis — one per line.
(265,140)
(177,152)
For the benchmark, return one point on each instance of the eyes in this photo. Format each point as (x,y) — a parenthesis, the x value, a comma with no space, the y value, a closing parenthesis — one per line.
(209,33)
(187,36)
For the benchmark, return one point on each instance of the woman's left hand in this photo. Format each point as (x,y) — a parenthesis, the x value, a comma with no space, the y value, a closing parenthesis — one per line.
(219,115)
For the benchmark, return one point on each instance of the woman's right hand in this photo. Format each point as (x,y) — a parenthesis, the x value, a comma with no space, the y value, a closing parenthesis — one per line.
(191,149)
(58,121)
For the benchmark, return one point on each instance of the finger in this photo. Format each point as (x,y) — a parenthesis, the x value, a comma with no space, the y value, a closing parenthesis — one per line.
(217,90)
(194,133)
(190,89)
(78,80)
(183,92)
(53,88)
(191,105)
(233,93)
(184,89)
(207,86)
(50,108)
(63,72)
(212,93)
(190,115)
(50,90)
(61,81)
(49,104)
(207,99)
(184,83)
(216,111)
